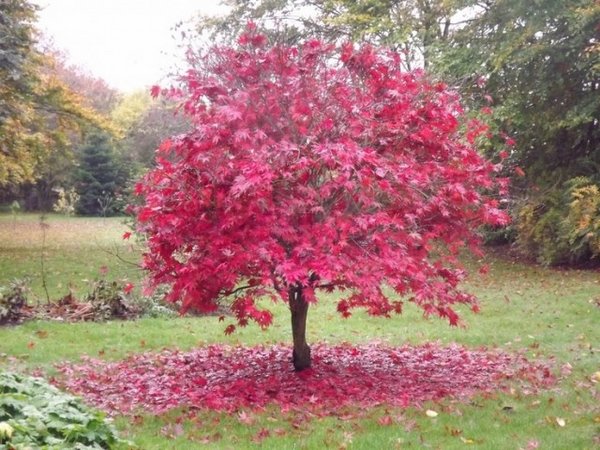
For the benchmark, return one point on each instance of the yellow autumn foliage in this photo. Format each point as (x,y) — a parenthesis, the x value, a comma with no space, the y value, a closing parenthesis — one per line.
(563,225)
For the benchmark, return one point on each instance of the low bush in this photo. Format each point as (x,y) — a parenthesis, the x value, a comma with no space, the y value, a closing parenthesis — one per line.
(34,414)
(156,306)
(561,226)
(109,300)
(12,300)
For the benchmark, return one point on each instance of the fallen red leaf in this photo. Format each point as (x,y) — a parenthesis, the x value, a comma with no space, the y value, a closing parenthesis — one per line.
(224,378)
(261,435)
(385,420)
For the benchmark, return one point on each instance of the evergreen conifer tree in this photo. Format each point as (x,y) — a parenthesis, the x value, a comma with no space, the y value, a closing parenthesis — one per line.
(99,177)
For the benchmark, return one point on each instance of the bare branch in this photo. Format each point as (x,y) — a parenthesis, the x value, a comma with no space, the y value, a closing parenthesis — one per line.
(236,290)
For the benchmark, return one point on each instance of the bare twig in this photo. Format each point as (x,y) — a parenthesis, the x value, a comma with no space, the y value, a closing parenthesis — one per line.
(236,290)
(120,258)
(44,226)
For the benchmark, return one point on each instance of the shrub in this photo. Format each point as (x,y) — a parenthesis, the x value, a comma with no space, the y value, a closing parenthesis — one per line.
(109,300)
(12,299)
(34,414)
(583,219)
(66,201)
(562,225)
(155,304)
(493,236)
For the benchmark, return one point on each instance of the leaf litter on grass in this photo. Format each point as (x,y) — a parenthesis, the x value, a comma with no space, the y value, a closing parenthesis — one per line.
(225,378)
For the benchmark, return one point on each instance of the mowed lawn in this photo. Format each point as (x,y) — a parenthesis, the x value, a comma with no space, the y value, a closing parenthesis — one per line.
(551,315)
(75,252)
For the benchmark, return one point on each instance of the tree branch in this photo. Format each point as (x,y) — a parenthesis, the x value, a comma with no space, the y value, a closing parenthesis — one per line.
(326,286)
(120,258)
(236,290)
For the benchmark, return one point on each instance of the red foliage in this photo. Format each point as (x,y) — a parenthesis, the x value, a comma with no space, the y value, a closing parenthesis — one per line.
(232,378)
(128,287)
(312,168)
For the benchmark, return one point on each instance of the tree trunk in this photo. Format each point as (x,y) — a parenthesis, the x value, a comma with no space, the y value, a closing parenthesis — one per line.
(299,310)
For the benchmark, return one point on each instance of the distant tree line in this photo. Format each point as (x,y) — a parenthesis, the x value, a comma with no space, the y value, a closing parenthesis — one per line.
(65,135)
(530,69)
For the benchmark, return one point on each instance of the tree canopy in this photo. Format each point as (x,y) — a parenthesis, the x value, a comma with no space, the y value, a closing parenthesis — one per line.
(38,111)
(541,66)
(315,168)
(99,178)
(530,67)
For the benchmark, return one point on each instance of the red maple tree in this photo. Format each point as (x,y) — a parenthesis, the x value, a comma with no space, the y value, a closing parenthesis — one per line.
(315,168)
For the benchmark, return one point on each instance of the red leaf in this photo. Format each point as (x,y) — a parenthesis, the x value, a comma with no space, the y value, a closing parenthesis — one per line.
(261,435)
(385,420)
(166,145)
(128,288)
(155,91)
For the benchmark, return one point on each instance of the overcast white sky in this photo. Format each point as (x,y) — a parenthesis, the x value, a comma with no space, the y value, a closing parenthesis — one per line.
(128,43)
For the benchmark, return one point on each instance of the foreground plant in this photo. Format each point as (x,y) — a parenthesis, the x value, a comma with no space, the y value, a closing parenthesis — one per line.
(34,414)
(315,168)
(13,299)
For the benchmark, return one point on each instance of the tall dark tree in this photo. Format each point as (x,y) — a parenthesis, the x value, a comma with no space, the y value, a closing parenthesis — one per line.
(100,178)
(540,64)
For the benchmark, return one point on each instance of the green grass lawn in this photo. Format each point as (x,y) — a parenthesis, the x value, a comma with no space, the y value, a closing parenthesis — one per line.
(74,251)
(549,314)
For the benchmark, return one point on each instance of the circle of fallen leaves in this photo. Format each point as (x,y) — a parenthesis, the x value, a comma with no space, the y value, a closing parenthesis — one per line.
(224,378)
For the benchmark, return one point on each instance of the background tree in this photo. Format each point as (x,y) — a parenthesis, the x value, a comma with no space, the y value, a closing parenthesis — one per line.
(95,92)
(17,62)
(130,109)
(413,27)
(100,178)
(41,118)
(145,123)
(541,68)
(312,169)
